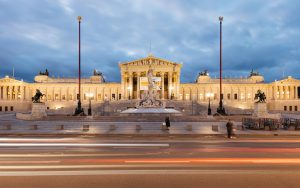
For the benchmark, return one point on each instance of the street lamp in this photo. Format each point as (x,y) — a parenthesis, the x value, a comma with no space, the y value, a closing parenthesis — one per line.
(221,109)
(79,109)
(129,91)
(209,95)
(90,96)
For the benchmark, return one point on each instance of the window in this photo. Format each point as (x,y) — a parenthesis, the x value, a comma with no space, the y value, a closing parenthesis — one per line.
(0,108)
(70,97)
(84,97)
(249,96)
(215,96)
(99,96)
(56,97)
(49,97)
(222,97)
(113,96)
(291,108)
(296,108)
(6,108)
(120,96)
(11,108)
(235,96)
(63,97)
(285,108)
(298,92)
(228,96)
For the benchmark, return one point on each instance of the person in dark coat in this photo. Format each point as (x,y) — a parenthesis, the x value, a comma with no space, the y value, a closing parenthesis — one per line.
(229,127)
(167,121)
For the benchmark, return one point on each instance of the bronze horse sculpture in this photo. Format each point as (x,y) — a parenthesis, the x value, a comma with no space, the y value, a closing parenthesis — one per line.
(36,98)
(260,96)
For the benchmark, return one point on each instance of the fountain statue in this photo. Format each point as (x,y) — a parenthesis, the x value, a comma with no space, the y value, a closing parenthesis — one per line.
(149,98)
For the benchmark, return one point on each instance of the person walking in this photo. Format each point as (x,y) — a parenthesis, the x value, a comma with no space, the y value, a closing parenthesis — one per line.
(167,122)
(229,126)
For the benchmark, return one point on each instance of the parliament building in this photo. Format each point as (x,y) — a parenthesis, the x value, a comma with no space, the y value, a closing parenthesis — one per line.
(238,93)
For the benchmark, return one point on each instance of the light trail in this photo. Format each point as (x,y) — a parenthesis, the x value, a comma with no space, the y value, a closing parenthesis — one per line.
(79,145)
(139,172)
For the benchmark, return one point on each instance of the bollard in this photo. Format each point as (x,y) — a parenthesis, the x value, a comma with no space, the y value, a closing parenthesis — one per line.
(138,127)
(85,128)
(240,127)
(163,127)
(215,128)
(34,127)
(189,127)
(8,126)
(59,127)
(112,127)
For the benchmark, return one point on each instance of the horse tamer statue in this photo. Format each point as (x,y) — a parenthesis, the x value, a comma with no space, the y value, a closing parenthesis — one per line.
(36,98)
(260,96)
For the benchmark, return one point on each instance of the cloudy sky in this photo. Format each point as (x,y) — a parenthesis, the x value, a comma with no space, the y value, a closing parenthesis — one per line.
(38,34)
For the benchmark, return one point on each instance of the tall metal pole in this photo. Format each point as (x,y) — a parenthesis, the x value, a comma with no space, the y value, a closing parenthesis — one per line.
(79,110)
(221,109)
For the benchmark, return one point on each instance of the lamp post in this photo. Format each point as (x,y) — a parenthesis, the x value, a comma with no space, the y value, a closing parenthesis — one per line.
(208,95)
(90,96)
(221,109)
(129,91)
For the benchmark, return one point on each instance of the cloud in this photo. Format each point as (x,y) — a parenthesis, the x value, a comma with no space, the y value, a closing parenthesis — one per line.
(40,34)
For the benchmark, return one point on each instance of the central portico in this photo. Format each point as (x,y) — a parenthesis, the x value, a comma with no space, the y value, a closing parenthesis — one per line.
(167,74)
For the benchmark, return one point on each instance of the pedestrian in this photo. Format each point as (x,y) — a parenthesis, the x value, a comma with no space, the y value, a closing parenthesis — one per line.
(229,126)
(167,122)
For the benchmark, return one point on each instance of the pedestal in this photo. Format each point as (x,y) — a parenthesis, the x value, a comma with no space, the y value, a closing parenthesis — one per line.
(260,110)
(38,110)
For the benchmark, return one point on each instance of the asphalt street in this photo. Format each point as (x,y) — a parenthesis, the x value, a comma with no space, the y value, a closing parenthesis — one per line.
(126,161)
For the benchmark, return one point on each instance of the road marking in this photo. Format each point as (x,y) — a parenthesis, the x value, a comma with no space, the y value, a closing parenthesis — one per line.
(79,145)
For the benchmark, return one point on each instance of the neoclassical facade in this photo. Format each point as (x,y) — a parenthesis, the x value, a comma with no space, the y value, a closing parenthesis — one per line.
(282,95)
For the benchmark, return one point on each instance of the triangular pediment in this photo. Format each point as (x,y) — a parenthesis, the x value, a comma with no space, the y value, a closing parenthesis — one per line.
(8,79)
(288,80)
(150,60)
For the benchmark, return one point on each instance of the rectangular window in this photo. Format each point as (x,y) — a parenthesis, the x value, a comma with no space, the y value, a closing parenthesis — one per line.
(6,108)
(56,97)
(298,92)
(0,108)
(215,96)
(296,108)
(11,108)
(120,96)
(228,96)
(113,96)
(84,97)
(249,96)
(291,108)
(49,97)
(285,108)
(99,96)
(63,97)
(235,96)
(70,97)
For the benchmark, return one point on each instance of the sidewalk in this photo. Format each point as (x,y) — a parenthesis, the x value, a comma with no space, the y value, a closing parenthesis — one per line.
(19,127)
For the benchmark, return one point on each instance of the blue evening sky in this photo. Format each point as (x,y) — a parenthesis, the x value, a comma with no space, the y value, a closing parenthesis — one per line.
(257,34)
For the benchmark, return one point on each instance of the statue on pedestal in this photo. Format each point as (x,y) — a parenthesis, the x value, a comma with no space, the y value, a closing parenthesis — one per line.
(149,98)
(260,96)
(36,98)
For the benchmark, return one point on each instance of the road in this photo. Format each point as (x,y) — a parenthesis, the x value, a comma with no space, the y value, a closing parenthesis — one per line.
(152,161)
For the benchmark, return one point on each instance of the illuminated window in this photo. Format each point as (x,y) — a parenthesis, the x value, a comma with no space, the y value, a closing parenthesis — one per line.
(70,97)
(63,97)
(56,97)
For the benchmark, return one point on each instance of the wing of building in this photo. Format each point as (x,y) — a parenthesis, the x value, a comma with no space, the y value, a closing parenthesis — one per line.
(282,95)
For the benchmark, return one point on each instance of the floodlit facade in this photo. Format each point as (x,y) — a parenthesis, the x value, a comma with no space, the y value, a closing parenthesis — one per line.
(282,95)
